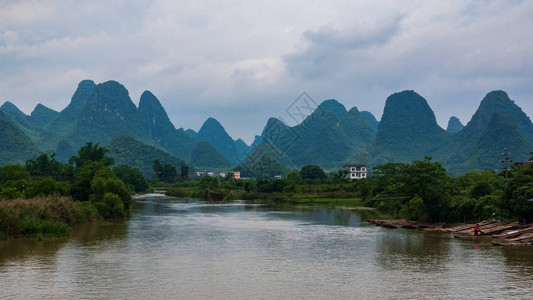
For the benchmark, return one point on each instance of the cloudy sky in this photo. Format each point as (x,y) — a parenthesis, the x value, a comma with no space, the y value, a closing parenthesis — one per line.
(245,61)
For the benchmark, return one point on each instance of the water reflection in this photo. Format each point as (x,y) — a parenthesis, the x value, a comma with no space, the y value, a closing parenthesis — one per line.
(100,232)
(30,249)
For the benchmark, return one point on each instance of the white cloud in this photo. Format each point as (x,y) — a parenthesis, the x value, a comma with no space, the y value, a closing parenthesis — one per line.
(229,59)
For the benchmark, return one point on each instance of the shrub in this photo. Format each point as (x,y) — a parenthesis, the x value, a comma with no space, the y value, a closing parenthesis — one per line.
(109,207)
(44,216)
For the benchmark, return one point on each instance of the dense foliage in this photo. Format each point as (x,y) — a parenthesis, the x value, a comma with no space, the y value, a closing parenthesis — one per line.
(45,196)
(420,190)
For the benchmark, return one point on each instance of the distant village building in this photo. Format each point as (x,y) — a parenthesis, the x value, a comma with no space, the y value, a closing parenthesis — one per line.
(278,176)
(356,171)
(236,174)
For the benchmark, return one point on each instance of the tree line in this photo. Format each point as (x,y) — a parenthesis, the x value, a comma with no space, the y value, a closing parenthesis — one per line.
(421,190)
(87,188)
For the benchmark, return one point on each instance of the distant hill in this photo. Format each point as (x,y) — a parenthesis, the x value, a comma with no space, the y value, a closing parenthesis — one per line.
(356,126)
(241,148)
(215,134)
(265,161)
(21,120)
(15,147)
(192,133)
(156,123)
(327,137)
(497,101)
(408,131)
(108,113)
(371,120)
(205,156)
(499,133)
(64,151)
(62,126)
(126,150)
(454,125)
(42,115)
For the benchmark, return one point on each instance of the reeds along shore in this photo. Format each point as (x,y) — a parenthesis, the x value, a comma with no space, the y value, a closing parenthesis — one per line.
(510,233)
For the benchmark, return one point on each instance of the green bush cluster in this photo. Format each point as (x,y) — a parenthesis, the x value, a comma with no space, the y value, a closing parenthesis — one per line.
(45,197)
(42,216)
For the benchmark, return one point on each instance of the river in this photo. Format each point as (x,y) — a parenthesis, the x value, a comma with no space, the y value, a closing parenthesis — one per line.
(183,249)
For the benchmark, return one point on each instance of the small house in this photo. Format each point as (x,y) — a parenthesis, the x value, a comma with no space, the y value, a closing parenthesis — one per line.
(356,171)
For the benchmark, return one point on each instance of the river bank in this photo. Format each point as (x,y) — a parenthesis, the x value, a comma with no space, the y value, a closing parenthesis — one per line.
(504,233)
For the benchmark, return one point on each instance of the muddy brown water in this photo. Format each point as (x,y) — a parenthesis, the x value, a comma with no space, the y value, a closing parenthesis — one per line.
(184,249)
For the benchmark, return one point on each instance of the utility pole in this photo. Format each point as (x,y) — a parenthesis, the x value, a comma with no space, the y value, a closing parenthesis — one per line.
(506,161)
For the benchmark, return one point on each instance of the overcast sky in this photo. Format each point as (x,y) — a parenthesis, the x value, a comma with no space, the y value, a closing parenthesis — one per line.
(242,62)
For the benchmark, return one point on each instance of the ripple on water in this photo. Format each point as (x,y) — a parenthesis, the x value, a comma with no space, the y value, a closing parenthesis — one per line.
(184,249)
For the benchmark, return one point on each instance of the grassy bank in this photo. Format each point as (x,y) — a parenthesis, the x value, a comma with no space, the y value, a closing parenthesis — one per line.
(40,217)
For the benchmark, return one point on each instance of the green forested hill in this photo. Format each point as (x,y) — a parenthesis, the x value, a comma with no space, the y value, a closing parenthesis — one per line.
(205,156)
(42,115)
(126,150)
(265,161)
(356,127)
(62,126)
(21,120)
(454,125)
(15,147)
(408,131)
(371,120)
(108,113)
(64,151)
(241,148)
(499,134)
(215,134)
(496,101)
(327,137)
(156,123)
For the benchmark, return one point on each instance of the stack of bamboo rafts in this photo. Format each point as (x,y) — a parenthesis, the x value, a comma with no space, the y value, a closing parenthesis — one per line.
(510,233)
(521,236)
(408,224)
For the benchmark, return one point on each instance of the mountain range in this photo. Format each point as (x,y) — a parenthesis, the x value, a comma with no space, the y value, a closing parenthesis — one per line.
(330,136)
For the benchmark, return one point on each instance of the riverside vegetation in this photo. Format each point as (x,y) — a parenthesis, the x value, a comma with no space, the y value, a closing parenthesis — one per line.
(421,190)
(44,197)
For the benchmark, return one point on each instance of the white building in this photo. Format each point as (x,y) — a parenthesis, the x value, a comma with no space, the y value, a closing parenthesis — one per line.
(356,171)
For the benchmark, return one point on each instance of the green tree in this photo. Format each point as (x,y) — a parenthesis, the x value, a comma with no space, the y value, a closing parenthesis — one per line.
(46,187)
(429,181)
(91,153)
(110,207)
(132,177)
(340,176)
(517,193)
(104,182)
(13,172)
(45,165)
(185,172)
(158,169)
(81,187)
(165,173)
(312,172)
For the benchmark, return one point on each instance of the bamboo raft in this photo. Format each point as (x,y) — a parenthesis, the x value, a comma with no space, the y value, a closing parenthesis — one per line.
(511,233)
